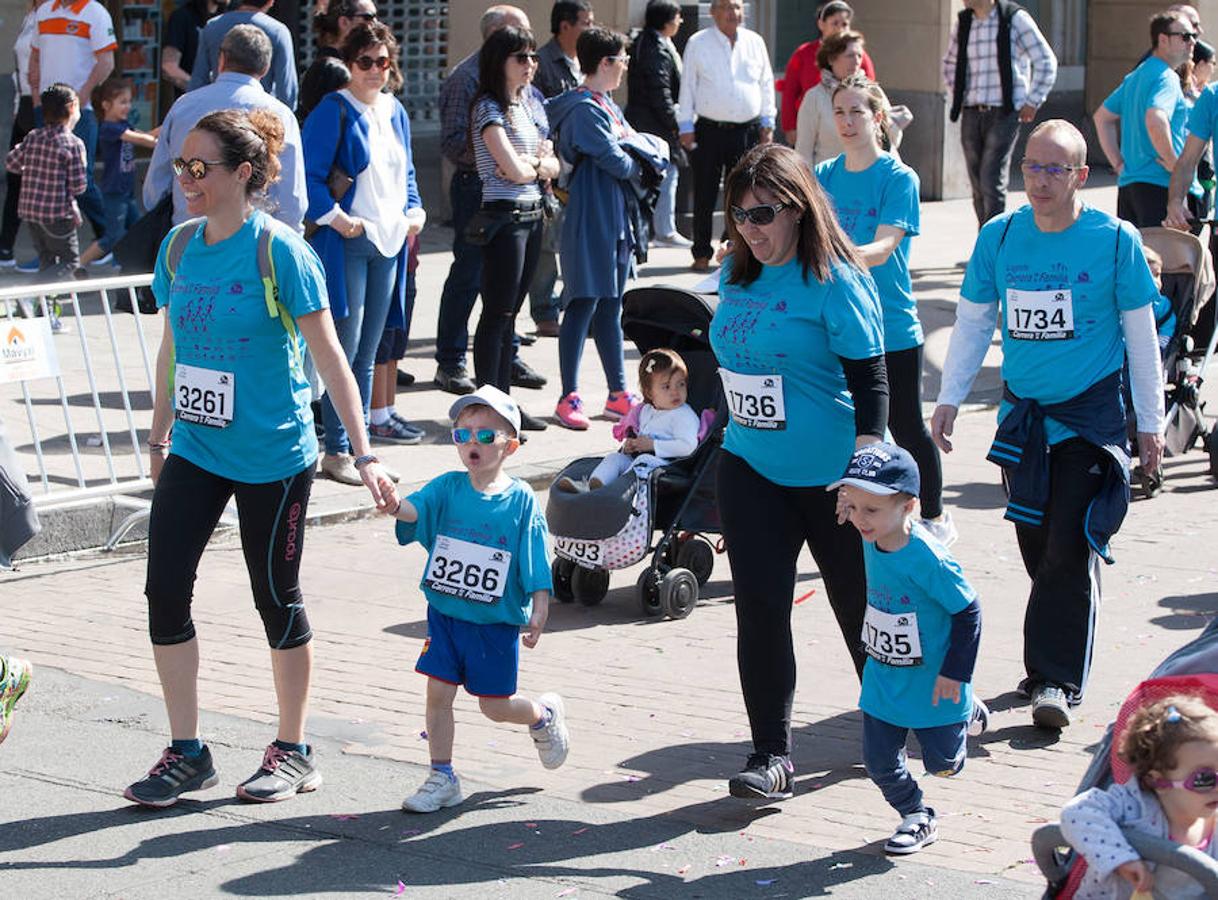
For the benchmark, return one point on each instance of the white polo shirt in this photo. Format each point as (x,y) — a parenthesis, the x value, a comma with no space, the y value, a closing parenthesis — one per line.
(68,38)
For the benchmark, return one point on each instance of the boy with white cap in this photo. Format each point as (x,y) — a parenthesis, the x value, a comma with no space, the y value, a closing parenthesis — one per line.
(487,577)
(921,632)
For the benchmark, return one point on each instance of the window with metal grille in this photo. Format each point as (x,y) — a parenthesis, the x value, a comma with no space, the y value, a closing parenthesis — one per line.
(421,27)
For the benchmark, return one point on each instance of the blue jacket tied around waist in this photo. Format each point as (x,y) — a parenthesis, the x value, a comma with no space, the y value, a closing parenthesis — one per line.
(1097,415)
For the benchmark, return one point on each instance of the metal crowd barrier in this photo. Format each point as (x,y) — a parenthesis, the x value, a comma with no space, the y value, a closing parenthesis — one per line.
(82,389)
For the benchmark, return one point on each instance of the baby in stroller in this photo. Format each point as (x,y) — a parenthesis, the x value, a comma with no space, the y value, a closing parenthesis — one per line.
(654,433)
(1171,747)
(1165,315)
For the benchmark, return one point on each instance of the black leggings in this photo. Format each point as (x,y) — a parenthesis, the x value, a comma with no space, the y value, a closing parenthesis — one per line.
(765,525)
(909,428)
(186,505)
(508,263)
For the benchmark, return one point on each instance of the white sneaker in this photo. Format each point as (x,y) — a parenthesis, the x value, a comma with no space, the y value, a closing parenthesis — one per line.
(942,529)
(436,793)
(981,718)
(914,833)
(553,741)
(676,239)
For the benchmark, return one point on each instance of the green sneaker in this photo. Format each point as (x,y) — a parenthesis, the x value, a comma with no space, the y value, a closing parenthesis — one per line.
(14,680)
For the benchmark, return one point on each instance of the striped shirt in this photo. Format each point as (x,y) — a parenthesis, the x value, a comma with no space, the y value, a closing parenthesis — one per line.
(1032,59)
(522,132)
(51,163)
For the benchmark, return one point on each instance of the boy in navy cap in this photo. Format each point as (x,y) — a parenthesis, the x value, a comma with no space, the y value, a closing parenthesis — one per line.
(487,577)
(921,633)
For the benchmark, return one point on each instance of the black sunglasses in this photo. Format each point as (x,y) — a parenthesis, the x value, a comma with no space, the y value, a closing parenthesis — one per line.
(368,62)
(198,168)
(525,58)
(1189,36)
(758,215)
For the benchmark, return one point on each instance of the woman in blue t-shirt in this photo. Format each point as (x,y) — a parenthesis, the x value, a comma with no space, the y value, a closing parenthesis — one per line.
(512,158)
(800,344)
(233,399)
(876,199)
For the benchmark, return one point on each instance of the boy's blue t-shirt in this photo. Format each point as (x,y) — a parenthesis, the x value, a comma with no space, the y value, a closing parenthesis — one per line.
(794,333)
(1060,296)
(118,158)
(224,334)
(1152,84)
(885,193)
(486,552)
(920,580)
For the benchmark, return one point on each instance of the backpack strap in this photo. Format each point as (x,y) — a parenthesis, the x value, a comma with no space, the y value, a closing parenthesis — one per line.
(270,291)
(178,239)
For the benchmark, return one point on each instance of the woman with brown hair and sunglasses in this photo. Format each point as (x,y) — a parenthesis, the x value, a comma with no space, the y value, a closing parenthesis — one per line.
(363,197)
(799,338)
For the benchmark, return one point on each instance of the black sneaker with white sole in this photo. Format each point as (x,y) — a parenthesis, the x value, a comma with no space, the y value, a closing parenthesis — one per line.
(915,832)
(764,777)
(283,774)
(173,775)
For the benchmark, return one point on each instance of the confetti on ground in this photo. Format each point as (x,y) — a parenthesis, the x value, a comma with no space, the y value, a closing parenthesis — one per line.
(530,824)
(567,893)
(401,887)
(579,831)
(662,847)
(984,881)
(682,870)
(410,832)
(516,846)
(343,817)
(422,735)
(724,861)
(799,600)
(841,866)
(766,882)
(223,848)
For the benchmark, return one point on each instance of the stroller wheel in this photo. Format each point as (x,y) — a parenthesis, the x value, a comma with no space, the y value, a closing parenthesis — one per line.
(561,571)
(1211,446)
(649,593)
(589,585)
(678,593)
(698,556)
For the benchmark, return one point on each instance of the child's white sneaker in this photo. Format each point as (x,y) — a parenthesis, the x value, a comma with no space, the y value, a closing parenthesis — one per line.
(915,832)
(942,529)
(980,721)
(436,793)
(552,740)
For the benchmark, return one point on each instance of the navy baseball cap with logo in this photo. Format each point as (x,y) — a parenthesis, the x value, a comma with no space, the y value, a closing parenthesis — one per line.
(882,469)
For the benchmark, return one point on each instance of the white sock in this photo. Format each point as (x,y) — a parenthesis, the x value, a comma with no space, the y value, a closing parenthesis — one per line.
(391,411)
(380,416)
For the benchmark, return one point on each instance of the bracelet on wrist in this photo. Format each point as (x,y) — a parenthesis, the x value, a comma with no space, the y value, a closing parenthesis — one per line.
(159,445)
(361,461)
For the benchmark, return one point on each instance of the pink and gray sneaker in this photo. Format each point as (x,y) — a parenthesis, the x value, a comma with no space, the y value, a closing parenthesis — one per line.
(570,413)
(619,404)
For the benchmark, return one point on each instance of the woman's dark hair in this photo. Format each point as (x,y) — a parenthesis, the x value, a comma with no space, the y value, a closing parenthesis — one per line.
(594,45)
(780,170)
(367,36)
(493,57)
(832,8)
(660,13)
(108,90)
(252,136)
(1203,52)
(325,24)
(833,47)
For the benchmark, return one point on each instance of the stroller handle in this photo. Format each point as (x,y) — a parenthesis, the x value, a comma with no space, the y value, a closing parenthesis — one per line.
(1048,838)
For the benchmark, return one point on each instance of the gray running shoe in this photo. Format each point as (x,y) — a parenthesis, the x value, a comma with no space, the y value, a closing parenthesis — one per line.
(915,832)
(436,793)
(1050,708)
(764,777)
(175,774)
(283,774)
(553,741)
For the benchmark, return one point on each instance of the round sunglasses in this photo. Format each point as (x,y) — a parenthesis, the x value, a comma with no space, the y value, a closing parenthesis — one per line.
(1200,781)
(525,58)
(367,62)
(758,215)
(197,168)
(481,435)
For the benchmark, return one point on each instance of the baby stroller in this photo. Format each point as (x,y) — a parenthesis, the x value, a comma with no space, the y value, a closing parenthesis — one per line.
(1188,281)
(1192,669)
(611,528)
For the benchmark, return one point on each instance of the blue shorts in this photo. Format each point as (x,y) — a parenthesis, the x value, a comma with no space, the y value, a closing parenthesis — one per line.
(483,657)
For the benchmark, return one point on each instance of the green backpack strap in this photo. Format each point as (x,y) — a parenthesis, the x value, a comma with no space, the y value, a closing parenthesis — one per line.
(175,248)
(270,292)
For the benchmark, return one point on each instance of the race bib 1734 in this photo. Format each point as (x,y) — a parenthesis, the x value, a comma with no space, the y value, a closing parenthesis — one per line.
(1040,315)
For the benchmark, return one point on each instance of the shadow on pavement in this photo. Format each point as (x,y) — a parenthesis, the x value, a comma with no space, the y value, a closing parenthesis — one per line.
(974,495)
(1193,611)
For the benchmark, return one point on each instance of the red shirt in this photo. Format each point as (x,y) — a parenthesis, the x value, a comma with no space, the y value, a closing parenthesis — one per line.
(801,76)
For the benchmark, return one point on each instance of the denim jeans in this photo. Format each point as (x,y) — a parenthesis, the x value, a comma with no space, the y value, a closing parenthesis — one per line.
(604,316)
(90,202)
(121,213)
(665,216)
(464,277)
(988,139)
(370,280)
(943,753)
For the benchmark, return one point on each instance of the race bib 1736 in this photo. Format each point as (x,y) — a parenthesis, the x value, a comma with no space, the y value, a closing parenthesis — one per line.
(755,401)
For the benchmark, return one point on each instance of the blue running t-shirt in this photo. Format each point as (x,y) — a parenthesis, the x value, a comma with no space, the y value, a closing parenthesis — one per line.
(234,349)
(487,552)
(885,193)
(1151,85)
(919,583)
(781,341)
(1060,296)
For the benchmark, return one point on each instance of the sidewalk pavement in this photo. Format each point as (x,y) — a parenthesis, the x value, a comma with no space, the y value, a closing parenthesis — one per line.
(656,715)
